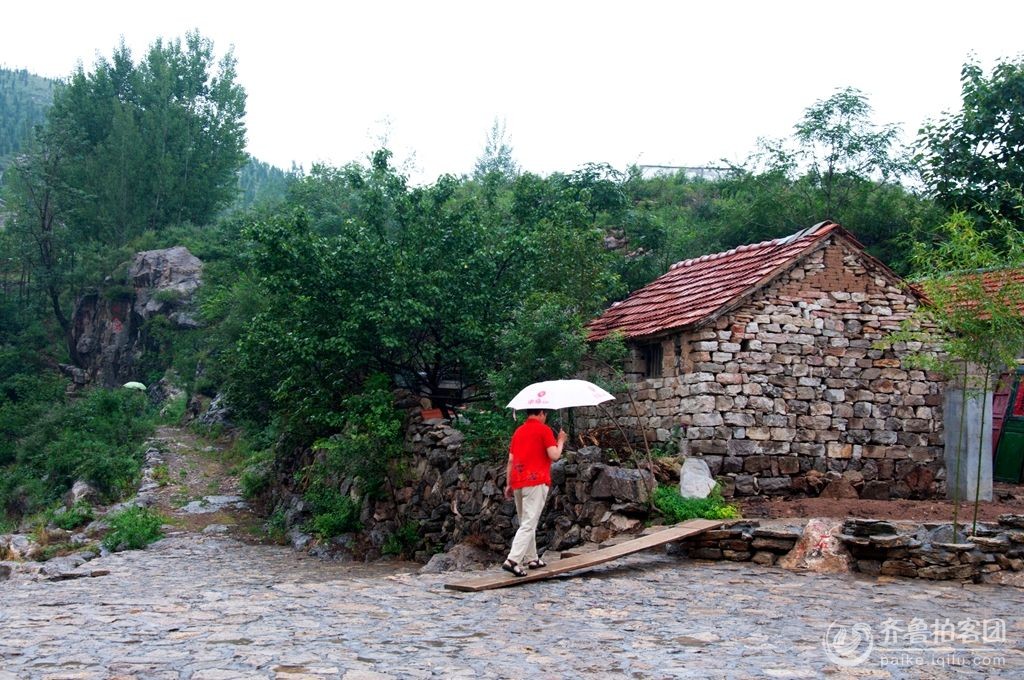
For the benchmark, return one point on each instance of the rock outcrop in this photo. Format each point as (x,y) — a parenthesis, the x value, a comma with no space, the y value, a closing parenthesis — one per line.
(109,329)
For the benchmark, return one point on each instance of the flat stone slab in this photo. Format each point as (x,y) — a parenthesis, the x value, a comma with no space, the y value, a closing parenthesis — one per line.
(209,504)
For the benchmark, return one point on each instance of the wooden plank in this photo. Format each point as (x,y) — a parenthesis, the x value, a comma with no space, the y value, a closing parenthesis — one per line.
(590,559)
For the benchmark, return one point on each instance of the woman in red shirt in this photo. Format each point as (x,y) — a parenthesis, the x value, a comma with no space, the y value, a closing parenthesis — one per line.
(531,453)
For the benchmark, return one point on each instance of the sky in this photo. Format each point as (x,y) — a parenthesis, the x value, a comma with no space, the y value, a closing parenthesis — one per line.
(639,82)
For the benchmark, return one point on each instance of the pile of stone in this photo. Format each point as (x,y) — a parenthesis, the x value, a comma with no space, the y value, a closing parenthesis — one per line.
(745,541)
(932,551)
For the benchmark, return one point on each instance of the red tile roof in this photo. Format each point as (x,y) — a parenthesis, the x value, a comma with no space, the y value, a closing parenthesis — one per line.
(995,280)
(694,290)
(992,281)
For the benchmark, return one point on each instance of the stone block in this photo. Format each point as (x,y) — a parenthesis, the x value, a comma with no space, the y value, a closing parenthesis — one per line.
(738,419)
(775,485)
(875,490)
(736,555)
(759,433)
(839,450)
(788,465)
(783,434)
(622,484)
(757,463)
(779,546)
(745,485)
(742,447)
(706,554)
(712,419)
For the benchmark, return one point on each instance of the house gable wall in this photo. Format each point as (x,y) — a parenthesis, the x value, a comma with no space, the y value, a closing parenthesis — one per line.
(789,382)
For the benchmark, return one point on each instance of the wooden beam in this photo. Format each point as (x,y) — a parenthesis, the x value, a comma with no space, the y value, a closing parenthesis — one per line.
(590,559)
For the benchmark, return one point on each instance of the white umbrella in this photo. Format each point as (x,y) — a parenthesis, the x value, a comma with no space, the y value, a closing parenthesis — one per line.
(558,394)
(135,386)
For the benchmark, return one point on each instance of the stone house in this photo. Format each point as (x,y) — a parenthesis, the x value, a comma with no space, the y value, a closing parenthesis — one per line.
(762,359)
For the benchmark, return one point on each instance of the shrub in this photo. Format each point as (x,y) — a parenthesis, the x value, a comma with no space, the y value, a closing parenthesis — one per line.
(404,541)
(333,512)
(133,529)
(174,410)
(487,435)
(257,474)
(675,508)
(370,443)
(276,527)
(94,437)
(78,515)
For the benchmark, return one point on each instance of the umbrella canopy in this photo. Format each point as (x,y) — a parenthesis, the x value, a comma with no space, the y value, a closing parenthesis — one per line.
(556,394)
(134,386)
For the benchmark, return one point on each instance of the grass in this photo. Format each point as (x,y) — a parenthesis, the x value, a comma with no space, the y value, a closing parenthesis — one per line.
(78,515)
(161,475)
(133,529)
(47,446)
(174,410)
(275,529)
(676,509)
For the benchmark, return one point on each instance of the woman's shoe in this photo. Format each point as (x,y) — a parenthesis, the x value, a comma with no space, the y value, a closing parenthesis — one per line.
(513,568)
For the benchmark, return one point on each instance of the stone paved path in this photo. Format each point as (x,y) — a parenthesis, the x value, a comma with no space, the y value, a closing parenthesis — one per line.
(208,608)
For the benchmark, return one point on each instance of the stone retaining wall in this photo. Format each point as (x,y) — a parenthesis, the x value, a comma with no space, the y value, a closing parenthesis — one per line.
(791,382)
(876,547)
(451,499)
(930,551)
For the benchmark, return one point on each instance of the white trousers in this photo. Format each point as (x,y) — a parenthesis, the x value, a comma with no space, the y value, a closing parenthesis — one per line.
(529,506)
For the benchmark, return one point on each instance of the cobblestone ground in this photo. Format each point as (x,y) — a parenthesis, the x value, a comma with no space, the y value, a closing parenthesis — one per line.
(205,608)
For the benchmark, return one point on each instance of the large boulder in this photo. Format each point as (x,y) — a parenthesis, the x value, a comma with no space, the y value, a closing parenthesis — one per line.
(695,480)
(819,549)
(80,492)
(165,282)
(107,334)
(623,484)
(462,557)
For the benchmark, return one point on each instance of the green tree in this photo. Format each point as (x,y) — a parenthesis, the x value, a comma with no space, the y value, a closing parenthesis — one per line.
(975,157)
(159,142)
(839,146)
(125,148)
(24,100)
(977,328)
(838,165)
(362,274)
(496,158)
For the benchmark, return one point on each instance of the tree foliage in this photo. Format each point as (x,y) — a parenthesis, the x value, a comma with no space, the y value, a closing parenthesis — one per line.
(363,274)
(152,143)
(496,161)
(838,165)
(975,157)
(24,100)
(972,314)
(126,147)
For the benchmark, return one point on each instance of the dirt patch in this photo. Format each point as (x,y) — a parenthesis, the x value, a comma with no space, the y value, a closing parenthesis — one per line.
(196,468)
(1009,499)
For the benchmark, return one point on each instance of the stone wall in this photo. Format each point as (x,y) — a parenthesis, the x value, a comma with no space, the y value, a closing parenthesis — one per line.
(994,554)
(452,499)
(790,382)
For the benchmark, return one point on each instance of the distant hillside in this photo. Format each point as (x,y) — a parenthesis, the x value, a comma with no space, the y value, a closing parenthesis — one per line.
(24,100)
(260,183)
